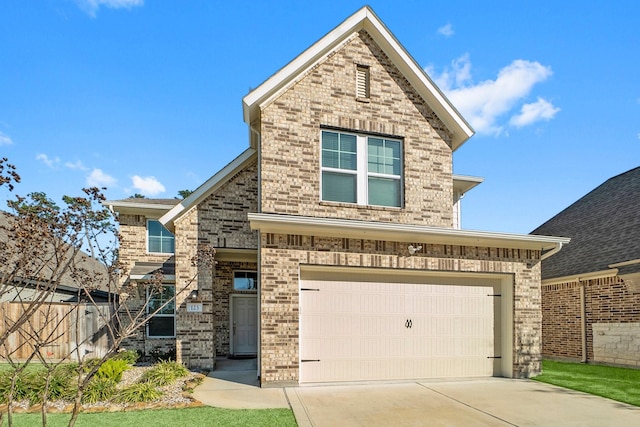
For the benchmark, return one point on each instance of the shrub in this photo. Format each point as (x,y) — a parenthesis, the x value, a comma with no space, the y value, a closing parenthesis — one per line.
(139,392)
(112,369)
(99,389)
(30,384)
(164,373)
(130,356)
(158,355)
(21,390)
(89,364)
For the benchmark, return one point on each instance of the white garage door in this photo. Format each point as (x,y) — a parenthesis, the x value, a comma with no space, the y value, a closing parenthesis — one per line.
(356,331)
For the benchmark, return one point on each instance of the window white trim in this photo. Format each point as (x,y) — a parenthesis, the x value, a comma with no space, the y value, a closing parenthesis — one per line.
(172,315)
(362,169)
(148,236)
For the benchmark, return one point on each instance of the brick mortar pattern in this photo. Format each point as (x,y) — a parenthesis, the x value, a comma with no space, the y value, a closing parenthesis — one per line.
(607,301)
(282,256)
(325,96)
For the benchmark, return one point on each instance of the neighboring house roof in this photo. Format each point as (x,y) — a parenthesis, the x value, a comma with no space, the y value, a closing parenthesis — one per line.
(68,283)
(363,19)
(604,227)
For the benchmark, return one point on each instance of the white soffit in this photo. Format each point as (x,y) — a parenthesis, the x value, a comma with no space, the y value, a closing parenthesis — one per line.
(212,184)
(464,183)
(286,224)
(365,19)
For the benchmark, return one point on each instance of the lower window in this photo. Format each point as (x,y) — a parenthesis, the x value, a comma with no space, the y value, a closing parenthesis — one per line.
(162,324)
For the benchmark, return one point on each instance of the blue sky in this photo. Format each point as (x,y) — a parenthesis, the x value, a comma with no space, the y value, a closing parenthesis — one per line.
(144,96)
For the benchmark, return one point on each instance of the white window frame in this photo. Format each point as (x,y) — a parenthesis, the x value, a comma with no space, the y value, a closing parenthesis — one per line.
(362,168)
(245,290)
(148,237)
(162,314)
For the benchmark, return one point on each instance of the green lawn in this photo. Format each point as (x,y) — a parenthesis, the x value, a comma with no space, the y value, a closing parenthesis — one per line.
(621,384)
(168,417)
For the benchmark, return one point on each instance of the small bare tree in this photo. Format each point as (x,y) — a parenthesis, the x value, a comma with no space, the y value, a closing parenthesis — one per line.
(46,249)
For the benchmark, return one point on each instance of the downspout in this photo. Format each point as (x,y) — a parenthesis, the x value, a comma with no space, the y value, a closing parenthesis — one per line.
(551,252)
(258,149)
(583,323)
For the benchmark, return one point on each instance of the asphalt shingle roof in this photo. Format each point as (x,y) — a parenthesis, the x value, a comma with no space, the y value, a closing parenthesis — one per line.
(604,227)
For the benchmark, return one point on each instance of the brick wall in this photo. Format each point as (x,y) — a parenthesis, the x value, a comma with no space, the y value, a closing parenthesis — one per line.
(221,221)
(607,301)
(282,256)
(561,330)
(325,96)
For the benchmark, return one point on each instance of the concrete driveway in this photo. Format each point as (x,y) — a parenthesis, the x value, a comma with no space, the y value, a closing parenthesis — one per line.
(485,402)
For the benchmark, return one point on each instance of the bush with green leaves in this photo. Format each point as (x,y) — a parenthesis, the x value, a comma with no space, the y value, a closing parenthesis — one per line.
(138,392)
(21,390)
(98,390)
(112,369)
(130,356)
(164,373)
(30,384)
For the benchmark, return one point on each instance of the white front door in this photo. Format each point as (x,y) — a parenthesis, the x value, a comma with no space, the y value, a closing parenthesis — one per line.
(244,324)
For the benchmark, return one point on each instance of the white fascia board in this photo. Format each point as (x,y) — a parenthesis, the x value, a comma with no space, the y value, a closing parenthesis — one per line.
(151,210)
(464,183)
(367,19)
(212,184)
(306,59)
(273,223)
(581,277)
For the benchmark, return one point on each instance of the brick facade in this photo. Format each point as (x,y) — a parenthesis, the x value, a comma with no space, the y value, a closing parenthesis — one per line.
(219,220)
(325,96)
(286,181)
(283,255)
(607,301)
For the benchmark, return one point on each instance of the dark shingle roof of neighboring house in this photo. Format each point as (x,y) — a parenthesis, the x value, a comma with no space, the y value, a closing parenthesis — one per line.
(604,227)
(68,283)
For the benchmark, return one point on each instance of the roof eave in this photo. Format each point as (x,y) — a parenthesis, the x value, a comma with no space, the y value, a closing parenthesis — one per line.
(133,208)
(364,18)
(213,183)
(272,223)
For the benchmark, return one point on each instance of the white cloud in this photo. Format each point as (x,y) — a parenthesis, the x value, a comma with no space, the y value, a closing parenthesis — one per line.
(5,139)
(97,178)
(77,165)
(47,161)
(484,104)
(149,186)
(91,6)
(446,30)
(534,112)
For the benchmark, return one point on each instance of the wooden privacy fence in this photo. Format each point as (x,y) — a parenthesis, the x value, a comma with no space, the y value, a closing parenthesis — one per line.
(60,327)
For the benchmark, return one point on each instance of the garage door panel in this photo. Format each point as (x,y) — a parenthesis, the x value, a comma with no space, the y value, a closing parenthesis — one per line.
(379,331)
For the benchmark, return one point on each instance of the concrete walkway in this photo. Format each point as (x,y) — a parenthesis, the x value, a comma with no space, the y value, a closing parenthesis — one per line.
(479,402)
(234,385)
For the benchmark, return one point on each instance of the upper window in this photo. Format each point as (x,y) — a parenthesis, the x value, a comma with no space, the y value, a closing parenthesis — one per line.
(163,323)
(245,280)
(361,169)
(160,239)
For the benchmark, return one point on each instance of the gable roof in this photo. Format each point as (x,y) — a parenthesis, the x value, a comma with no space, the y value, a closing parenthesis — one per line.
(212,184)
(604,227)
(365,19)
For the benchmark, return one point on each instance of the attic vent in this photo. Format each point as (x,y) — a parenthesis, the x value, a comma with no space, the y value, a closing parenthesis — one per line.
(362,82)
